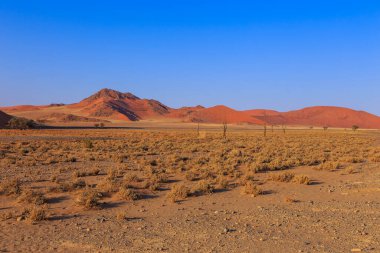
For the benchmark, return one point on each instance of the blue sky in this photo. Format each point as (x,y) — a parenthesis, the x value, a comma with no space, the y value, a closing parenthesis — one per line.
(279,55)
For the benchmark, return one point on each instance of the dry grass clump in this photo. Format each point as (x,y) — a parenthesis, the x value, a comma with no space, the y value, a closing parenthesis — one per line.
(290,200)
(287,177)
(6,216)
(69,186)
(126,193)
(12,187)
(178,192)
(190,176)
(203,187)
(252,189)
(32,197)
(302,179)
(89,198)
(34,213)
(281,177)
(121,215)
(329,166)
(109,185)
(222,182)
(93,172)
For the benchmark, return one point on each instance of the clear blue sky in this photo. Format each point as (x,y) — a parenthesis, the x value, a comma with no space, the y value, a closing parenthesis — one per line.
(245,54)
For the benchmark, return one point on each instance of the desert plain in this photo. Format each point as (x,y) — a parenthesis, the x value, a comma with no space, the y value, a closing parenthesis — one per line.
(146,189)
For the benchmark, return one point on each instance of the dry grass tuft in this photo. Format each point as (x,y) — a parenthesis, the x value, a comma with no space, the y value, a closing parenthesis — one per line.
(281,177)
(203,187)
(178,192)
(12,187)
(89,199)
(126,193)
(251,189)
(302,179)
(32,197)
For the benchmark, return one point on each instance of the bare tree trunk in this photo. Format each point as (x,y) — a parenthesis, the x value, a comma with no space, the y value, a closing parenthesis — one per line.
(224,130)
(198,130)
(265,130)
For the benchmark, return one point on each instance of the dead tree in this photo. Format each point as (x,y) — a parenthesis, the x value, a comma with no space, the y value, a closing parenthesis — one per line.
(198,130)
(225,130)
(284,128)
(265,130)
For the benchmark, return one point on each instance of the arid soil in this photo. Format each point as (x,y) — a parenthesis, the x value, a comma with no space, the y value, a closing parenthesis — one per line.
(123,190)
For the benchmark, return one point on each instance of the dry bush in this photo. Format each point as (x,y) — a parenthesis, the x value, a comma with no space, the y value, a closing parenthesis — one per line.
(32,197)
(302,179)
(251,189)
(69,186)
(93,172)
(290,200)
(222,182)
(34,213)
(109,185)
(38,213)
(121,215)
(281,177)
(11,187)
(178,192)
(329,166)
(131,178)
(203,187)
(190,176)
(89,199)
(126,193)
(153,183)
(6,216)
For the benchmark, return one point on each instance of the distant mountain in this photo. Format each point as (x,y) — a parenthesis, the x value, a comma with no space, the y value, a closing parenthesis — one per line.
(4,119)
(108,105)
(126,106)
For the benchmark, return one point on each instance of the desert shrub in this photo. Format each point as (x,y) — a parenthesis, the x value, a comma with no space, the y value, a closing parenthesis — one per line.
(21,123)
(128,194)
(222,182)
(6,216)
(281,177)
(34,213)
(11,187)
(203,187)
(178,192)
(251,189)
(83,173)
(89,198)
(131,178)
(121,215)
(302,179)
(32,197)
(290,200)
(190,176)
(109,185)
(329,166)
(88,144)
(37,213)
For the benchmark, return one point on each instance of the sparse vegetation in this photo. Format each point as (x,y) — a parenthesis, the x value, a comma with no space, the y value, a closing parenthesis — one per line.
(178,192)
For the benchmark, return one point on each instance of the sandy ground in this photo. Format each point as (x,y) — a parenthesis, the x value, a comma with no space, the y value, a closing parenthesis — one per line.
(338,212)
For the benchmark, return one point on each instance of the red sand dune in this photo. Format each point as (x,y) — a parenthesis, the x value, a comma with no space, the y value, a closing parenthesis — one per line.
(109,104)
(4,119)
(220,114)
(331,116)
